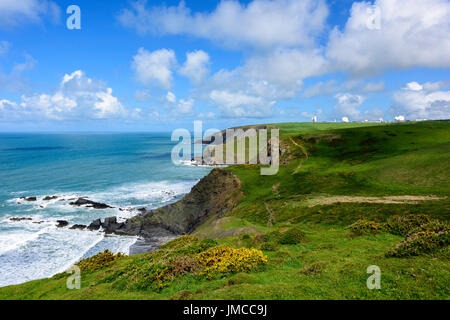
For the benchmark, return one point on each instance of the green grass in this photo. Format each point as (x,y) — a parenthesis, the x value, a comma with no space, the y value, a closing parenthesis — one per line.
(330,263)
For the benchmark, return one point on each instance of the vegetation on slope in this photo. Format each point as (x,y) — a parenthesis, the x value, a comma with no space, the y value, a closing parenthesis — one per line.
(315,248)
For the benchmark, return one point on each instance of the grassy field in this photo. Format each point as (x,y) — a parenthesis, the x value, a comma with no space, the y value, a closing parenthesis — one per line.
(303,220)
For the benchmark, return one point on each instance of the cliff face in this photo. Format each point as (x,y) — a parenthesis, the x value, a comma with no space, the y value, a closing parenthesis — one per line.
(212,196)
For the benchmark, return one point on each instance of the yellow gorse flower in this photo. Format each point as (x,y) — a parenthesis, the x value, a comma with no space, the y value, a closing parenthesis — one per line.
(225,259)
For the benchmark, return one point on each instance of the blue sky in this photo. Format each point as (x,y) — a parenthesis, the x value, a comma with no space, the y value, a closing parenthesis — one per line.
(152,65)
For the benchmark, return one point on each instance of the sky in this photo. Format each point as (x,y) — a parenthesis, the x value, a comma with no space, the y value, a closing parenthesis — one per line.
(160,65)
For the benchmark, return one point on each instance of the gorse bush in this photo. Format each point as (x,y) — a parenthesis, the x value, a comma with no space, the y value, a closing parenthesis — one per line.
(432,226)
(402,225)
(98,261)
(225,259)
(420,243)
(362,227)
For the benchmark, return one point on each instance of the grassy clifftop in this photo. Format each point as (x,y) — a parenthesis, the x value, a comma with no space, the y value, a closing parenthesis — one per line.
(348,196)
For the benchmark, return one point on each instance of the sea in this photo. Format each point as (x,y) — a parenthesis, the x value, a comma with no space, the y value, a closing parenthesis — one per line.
(127,171)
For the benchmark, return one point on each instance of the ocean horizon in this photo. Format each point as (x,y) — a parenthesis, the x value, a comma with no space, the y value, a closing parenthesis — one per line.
(127,171)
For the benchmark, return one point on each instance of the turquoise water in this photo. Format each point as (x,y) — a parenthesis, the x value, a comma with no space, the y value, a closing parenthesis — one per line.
(122,170)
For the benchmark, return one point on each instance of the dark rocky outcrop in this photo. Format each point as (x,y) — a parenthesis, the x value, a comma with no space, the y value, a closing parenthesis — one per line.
(78,227)
(214,195)
(110,225)
(48,198)
(62,223)
(20,219)
(95,225)
(89,204)
(29,198)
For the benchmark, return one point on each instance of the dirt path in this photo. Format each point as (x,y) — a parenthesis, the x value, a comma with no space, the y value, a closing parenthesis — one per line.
(301,147)
(391,199)
(271,215)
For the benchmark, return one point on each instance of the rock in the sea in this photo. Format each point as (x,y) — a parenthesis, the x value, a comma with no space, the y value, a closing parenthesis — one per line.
(48,198)
(110,225)
(78,227)
(89,204)
(29,198)
(143,210)
(20,219)
(62,223)
(95,225)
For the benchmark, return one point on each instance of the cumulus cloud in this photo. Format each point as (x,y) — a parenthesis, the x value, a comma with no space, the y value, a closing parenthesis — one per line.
(154,68)
(241,105)
(412,33)
(77,97)
(322,88)
(15,13)
(196,66)
(347,105)
(292,22)
(180,107)
(285,67)
(427,101)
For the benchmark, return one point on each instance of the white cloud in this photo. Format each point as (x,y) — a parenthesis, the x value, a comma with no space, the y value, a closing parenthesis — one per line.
(241,105)
(413,86)
(412,33)
(154,67)
(185,106)
(435,86)
(15,13)
(260,23)
(332,87)
(196,66)
(286,67)
(77,97)
(347,105)
(427,101)
(170,97)
(182,107)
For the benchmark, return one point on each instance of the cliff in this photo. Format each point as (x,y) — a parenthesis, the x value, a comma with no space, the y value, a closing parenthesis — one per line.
(212,196)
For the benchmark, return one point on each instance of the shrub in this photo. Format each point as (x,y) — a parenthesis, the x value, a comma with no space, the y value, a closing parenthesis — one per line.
(402,225)
(225,260)
(292,236)
(432,226)
(142,274)
(183,265)
(362,227)
(98,261)
(269,246)
(420,243)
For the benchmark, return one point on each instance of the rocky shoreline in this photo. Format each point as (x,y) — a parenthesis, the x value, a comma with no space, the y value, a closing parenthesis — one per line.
(214,195)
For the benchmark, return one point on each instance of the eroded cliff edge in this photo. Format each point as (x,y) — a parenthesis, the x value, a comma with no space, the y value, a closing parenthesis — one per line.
(212,196)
